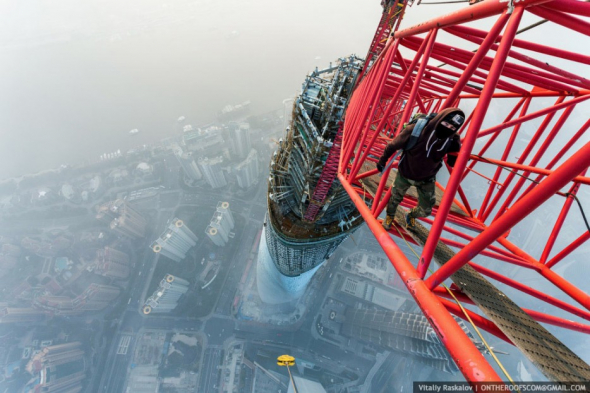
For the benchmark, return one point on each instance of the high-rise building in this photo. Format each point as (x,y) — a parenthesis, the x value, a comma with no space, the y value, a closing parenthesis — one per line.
(128,227)
(58,305)
(122,218)
(221,225)
(99,292)
(247,171)
(94,297)
(309,212)
(112,263)
(44,247)
(229,112)
(371,293)
(112,270)
(165,298)
(223,208)
(97,296)
(175,241)
(219,239)
(208,142)
(11,249)
(58,369)
(212,171)
(19,314)
(305,385)
(7,262)
(410,334)
(115,255)
(240,139)
(9,255)
(187,161)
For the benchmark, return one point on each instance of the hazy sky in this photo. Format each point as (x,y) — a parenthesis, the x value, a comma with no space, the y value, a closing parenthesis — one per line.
(75,76)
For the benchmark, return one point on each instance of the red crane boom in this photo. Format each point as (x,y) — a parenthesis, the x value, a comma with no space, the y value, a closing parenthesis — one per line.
(526,132)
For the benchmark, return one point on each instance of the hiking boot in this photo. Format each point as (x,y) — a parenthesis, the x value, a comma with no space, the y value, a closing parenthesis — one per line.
(387,222)
(410,221)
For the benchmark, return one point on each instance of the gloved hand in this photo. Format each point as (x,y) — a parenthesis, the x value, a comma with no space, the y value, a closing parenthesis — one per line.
(380,167)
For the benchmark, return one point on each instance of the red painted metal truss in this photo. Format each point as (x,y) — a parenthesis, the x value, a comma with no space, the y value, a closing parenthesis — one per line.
(525,151)
(326,179)
(390,19)
(393,11)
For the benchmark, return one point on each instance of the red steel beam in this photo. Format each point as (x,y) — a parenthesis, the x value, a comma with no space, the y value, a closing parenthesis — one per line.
(470,361)
(571,168)
(562,19)
(410,101)
(570,6)
(485,323)
(445,55)
(571,141)
(467,33)
(484,205)
(531,291)
(478,320)
(542,49)
(568,250)
(477,11)
(527,168)
(374,110)
(497,256)
(358,163)
(469,140)
(584,95)
(537,157)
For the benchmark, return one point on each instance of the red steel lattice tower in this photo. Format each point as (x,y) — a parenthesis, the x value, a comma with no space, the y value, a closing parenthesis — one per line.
(326,178)
(524,147)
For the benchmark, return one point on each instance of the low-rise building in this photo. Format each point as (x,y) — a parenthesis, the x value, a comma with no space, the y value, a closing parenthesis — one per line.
(58,368)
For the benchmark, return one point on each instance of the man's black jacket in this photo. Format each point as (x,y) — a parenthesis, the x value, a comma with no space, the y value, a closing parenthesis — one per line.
(424,160)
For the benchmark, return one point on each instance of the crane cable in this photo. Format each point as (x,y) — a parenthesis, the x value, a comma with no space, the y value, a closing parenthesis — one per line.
(488,348)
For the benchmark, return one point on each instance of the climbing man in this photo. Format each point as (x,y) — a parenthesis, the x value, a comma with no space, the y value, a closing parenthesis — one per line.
(422,155)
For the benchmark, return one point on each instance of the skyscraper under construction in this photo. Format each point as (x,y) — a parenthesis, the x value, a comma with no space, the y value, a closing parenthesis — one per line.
(309,213)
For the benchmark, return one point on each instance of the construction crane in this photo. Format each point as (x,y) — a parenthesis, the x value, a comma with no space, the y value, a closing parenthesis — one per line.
(525,145)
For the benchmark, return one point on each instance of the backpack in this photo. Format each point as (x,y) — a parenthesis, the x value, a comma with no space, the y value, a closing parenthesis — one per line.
(420,120)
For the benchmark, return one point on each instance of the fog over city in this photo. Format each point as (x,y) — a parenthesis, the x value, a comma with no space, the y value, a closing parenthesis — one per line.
(77,77)
(151,208)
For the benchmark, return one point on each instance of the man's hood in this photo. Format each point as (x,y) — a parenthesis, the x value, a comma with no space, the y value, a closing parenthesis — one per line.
(435,122)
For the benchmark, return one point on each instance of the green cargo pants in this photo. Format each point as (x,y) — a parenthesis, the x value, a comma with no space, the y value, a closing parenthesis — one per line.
(426,196)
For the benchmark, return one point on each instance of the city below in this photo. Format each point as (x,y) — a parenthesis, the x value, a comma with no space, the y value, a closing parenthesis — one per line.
(138,274)
(414,217)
